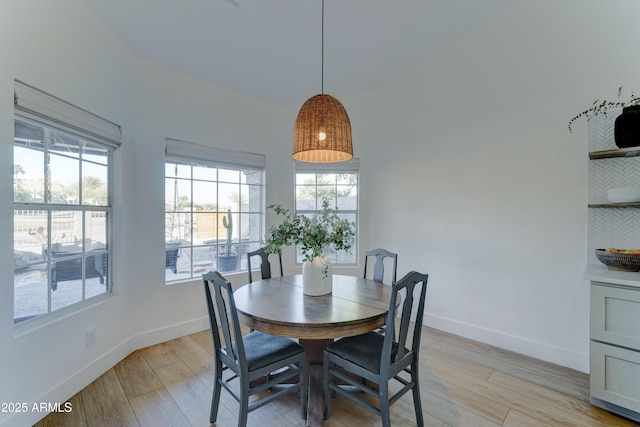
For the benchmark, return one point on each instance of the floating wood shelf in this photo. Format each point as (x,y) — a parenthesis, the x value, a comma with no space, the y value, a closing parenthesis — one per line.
(615,205)
(620,152)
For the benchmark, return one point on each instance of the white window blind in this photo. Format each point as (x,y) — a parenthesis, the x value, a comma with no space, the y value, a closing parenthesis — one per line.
(352,165)
(54,112)
(204,154)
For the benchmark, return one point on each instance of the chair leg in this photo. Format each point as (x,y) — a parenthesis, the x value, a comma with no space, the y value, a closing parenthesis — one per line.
(304,388)
(244,404)
(384,403)
(416,395)
(325,386)
(215,399)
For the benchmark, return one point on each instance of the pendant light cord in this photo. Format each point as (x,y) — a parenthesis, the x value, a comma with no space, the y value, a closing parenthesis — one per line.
(322,64)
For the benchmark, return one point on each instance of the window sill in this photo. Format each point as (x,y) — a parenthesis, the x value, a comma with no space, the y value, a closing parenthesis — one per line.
(48,319)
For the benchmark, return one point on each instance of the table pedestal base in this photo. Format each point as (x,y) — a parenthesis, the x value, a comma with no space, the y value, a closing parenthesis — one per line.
(315,407)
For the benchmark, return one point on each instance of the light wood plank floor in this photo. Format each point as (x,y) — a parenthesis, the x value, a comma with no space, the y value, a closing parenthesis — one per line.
(463,383)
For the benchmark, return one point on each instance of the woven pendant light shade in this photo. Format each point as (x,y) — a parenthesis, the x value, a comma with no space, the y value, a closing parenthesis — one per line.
(322,132)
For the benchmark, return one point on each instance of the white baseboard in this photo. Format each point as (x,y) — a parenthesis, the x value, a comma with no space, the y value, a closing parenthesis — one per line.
(539,350)
(87,374)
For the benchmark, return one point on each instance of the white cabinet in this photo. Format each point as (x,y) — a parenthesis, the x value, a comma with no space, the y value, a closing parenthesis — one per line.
(615,295)
(615,315)
(615,348)
(615,379)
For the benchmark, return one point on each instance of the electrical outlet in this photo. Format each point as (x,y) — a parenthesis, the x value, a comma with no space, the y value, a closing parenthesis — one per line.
(90,337)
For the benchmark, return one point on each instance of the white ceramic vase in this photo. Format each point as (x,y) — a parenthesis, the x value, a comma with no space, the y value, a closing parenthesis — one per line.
(317,277)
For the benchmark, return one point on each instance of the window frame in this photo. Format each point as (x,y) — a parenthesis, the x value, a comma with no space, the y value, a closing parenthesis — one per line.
(249,221)
(351,166)
(73,135)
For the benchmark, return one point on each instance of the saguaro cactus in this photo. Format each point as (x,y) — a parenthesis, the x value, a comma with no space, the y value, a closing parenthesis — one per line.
(227,221)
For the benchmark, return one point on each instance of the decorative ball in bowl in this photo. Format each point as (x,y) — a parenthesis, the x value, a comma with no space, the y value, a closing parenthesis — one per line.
(620,259)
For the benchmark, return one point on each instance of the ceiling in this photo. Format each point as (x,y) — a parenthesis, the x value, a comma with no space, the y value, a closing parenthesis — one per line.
(272,48)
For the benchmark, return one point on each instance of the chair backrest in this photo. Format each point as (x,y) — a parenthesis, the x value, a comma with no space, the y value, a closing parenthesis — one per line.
(220,302)
(411,284)
(265,265)
(378,268)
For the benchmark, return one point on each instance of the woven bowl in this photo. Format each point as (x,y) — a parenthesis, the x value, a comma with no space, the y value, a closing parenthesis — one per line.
(619,262)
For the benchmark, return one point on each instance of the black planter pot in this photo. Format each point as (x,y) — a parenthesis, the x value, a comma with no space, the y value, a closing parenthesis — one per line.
(227,262)
(627,127)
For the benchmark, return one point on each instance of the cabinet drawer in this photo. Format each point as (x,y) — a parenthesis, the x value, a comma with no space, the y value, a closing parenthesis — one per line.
(615,315)
(614,375)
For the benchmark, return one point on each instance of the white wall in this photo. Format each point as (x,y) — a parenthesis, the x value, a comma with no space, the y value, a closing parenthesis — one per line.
(467,171)
(492,200)
(61,47)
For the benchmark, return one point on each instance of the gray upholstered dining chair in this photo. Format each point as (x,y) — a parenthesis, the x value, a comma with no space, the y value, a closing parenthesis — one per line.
(380,358)
(251,358)
(377,274)
(378,268)
(265,264)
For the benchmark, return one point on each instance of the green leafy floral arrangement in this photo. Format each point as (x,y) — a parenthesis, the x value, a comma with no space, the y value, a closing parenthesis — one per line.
(312,234)
(603,107)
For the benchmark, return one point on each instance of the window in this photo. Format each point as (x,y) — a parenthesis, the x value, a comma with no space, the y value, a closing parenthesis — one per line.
(62,163)
(339,183)
(214,209)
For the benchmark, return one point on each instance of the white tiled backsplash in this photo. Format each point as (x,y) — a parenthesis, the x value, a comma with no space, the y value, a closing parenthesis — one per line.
(610,227)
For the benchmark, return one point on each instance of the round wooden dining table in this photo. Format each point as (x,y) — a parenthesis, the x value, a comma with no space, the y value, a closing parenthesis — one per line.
(279,307)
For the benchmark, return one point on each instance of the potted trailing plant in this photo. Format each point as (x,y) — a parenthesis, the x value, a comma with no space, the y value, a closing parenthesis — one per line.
(313,235)
(627,124)
(228,259)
